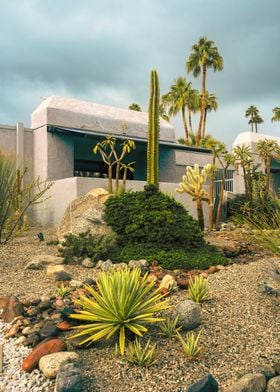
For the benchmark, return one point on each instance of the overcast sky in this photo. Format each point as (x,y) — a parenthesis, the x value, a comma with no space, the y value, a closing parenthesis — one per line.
(103,51)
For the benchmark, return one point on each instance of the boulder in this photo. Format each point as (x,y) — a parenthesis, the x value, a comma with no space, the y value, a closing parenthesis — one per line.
(34,265)
(85,214)
(13,309)
(50,364)
(206,384)
(104,265)
(63,276)
(69,378)
(44,348)
(267,370)
(252,382)
(189,314)
(273,384)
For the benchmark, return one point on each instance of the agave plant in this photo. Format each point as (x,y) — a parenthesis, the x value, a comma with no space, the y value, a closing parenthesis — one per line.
(198,289)
(170,327)
(190,345)
(142,356)
(124,301)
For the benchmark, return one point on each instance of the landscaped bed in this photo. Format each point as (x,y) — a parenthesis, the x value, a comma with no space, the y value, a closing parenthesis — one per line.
(240,328)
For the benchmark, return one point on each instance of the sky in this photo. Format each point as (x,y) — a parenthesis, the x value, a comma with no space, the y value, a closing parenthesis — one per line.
(103,51)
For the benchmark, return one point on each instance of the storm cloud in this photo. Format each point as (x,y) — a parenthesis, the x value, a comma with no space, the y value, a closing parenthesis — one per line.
(103,51)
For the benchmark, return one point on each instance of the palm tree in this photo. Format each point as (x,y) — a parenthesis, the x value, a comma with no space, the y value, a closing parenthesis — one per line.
(135,106)
(210,104)
(162,112)
(204,55)
(276,114)
(193,105)
(268,149)
(254,117)
(176,100)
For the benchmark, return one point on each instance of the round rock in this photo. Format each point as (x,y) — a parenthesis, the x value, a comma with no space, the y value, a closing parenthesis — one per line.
(273,384)
(50,364)
(189,314)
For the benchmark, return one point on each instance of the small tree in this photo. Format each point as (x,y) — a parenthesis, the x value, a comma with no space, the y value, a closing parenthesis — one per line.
(268,149)
(107,150)
(16,197)
(243,158)
(192,183)
(126,167)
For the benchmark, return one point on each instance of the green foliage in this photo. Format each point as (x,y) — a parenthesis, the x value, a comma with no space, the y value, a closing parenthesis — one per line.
(63,291)
(124,301)
(190,344)
(173,258)
(135,106)
(170,327)
(153,132)
(153,219)
(142,356)
(85,245)
(16,197)
(198,289)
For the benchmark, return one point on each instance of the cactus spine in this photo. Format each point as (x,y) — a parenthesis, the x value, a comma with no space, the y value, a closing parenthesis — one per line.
(192,183)
(153,132)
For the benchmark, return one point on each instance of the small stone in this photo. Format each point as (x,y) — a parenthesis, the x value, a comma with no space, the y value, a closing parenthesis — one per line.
(206,384)
(267,370)
(50,364)
(34,265)
(44,348)
(69,378)
(63,276)
(13,330)
(32,340)
(20,340)
(13,309)
(252,382)
(87,263)
(120,266)
(220,267)
(276,367)
(182,281)
(138,263)
(204,275)
(273,384)
(76,283)
(189,314)
(89,281)
(54,269)
(104,265)
(168,282)
(48,330)
(4,302)
(44,305)
(59,303)
(64,326)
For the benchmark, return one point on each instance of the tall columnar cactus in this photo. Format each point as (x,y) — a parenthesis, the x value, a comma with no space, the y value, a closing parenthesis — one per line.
(192,183)
(153,132)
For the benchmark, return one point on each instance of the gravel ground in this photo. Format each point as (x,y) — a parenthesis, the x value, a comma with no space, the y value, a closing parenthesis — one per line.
(240,327)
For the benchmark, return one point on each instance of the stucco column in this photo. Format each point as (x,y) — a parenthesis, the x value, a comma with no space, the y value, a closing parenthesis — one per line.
(19,144)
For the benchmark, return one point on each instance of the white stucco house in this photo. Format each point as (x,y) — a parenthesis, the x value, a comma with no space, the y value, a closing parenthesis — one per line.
(59,147)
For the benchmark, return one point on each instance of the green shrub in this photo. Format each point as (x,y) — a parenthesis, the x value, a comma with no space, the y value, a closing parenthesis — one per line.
(190,344)
(84,245)
(170,259)
(141,355)
(151,217)
(124,302)
(198,289)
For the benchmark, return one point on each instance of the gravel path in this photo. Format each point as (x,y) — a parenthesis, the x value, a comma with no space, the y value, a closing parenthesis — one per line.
(240,328)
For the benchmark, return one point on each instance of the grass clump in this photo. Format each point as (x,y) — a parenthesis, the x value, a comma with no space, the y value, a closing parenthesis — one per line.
(124,301)
(141,355)
(63,291)
(169,327)
(190,344)
(198,289)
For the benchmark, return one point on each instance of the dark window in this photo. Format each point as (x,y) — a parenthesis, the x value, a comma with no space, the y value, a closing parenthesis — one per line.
(95,169)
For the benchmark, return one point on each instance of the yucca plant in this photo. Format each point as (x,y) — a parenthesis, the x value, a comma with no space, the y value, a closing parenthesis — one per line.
(143,356)
(169,327)
(198,289)
(63,291)
(190,344)
(124,301)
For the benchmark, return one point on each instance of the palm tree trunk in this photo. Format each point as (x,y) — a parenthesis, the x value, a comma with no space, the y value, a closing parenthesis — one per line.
(200,216)
(185,125)
(204,123)
(220,204)
(124,178)
(190,119)
(256,127)
(267,179)
(211,197)
(198,135)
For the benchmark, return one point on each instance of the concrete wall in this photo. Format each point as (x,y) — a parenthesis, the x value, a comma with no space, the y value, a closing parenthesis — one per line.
(66,190)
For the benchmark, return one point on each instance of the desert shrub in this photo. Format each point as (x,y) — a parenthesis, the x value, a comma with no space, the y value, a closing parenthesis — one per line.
(190,344)
(16,197)
(141,355)
(124,302)
(170,259)
(198,289)
(151,217)
(76,247)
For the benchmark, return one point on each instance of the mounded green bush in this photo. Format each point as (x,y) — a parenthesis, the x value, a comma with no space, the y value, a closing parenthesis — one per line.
(151,217)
